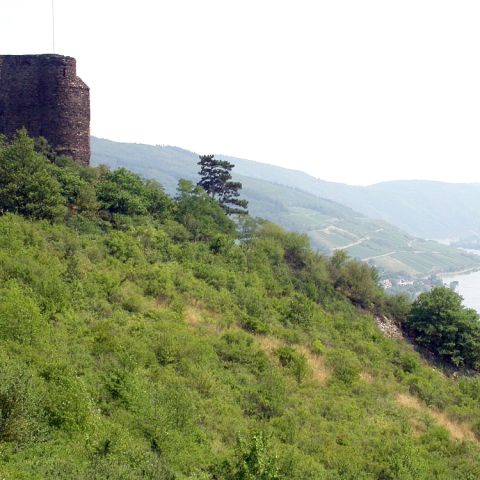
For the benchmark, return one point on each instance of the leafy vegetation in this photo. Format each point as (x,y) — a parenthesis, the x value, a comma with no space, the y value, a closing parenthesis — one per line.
(295,206)
(216,180)
(439,322)
(150,337)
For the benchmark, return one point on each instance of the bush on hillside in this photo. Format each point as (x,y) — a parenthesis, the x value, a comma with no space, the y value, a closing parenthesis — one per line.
(294,361)
(254,461)
(356,280)
(27,181)
(203,217)
(439,322)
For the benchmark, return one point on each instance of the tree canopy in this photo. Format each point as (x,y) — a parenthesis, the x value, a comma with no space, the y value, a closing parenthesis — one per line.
(216,180)
(27,182)
(439,322)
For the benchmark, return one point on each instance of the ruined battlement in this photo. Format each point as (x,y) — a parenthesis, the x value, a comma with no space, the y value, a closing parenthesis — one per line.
(43,94)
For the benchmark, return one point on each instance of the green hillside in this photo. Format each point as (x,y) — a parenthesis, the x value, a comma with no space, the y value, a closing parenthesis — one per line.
(329,225)
(144,337)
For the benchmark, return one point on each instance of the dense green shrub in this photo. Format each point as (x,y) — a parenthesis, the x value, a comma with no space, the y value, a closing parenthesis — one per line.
(266,399)
(439,322)
(254,461)
(19,404)
(20,316)
(345,364)
(202,216)
(68,404)
(294,361)
(356,280)
(299,311)
(239,348)
(398,307)
(27,181)
(122,192)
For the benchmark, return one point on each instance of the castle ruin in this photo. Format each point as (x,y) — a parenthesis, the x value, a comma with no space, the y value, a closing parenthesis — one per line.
(43,94)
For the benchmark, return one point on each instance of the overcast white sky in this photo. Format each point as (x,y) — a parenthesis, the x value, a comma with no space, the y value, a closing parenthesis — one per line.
(356,91)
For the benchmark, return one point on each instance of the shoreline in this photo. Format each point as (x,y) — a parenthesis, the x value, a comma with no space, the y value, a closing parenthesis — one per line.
(459,272)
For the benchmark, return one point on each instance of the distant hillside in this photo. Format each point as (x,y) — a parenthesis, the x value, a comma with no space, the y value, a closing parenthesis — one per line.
(329,224)
(427,209)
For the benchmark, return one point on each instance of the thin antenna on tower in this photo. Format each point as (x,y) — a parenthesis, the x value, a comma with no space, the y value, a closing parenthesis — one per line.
(53,25)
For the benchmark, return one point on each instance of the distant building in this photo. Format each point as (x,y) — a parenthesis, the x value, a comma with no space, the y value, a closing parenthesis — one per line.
(43,94)
(386,283)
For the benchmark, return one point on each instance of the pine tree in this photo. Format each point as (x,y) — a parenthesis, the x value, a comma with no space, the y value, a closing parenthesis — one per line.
(216,180)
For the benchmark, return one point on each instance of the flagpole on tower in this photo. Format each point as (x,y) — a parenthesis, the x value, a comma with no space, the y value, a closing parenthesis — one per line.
(53,25)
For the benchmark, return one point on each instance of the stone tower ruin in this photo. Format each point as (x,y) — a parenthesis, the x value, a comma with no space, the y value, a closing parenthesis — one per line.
(43,94)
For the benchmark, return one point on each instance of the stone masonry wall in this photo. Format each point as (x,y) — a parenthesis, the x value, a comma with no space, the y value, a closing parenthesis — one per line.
(43,94)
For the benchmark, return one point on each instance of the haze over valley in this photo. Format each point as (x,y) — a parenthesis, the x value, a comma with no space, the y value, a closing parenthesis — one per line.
(304,204)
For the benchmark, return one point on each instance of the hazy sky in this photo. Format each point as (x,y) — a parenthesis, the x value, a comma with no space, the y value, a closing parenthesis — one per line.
(356,91)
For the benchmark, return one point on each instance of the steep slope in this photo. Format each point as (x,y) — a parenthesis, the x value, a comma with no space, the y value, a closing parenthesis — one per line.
(329,224)
(142,339)
(123,356)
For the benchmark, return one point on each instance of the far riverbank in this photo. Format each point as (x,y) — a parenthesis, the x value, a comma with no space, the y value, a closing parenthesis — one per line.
(468,284)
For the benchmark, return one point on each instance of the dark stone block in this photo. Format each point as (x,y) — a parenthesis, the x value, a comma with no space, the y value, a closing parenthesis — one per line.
(43,94)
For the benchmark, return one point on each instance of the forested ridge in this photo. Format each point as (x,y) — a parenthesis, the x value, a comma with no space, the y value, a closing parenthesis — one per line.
(150,337)
(329,224)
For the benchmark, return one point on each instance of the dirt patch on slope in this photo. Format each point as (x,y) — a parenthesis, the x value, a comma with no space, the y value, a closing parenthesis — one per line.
(197,317)
(320,371)
(367,377)
(317,364)
(201,318)
(269,344)
(458,431)
(193,316)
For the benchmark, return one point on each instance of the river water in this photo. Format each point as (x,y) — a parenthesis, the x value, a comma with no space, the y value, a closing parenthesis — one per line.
(468,286)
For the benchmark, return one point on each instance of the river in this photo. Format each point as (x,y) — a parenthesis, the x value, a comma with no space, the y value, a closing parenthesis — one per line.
(468,286)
